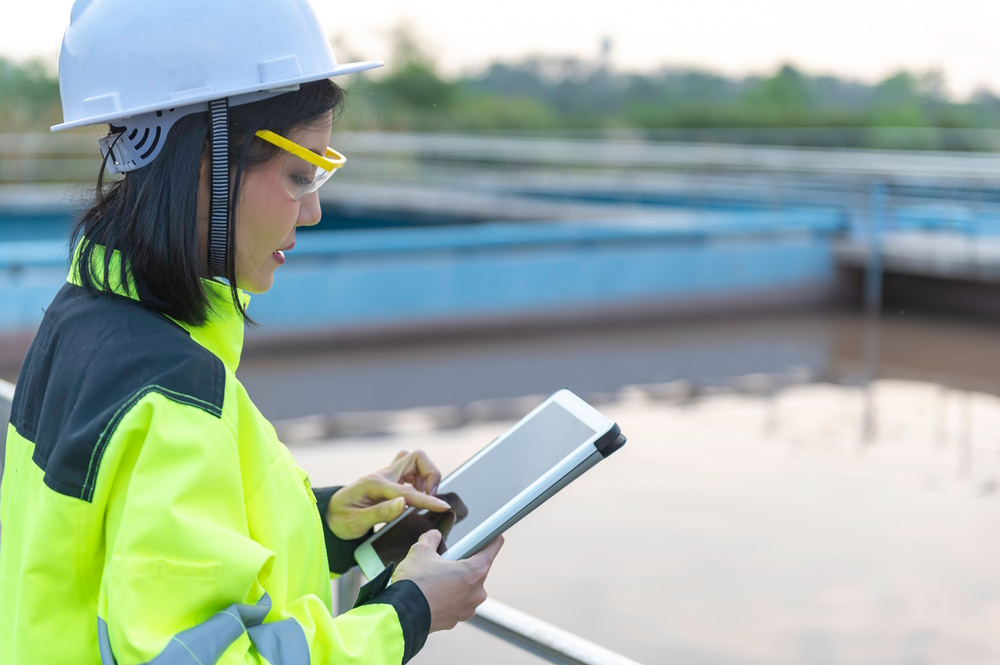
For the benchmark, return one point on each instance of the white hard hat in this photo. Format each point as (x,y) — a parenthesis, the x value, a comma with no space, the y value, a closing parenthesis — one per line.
(145,63)
(140,65)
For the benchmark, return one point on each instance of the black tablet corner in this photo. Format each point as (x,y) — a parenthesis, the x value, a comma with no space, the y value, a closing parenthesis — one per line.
(610,442)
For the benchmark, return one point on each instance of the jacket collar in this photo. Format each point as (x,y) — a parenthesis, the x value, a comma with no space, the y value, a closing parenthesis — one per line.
(222,332)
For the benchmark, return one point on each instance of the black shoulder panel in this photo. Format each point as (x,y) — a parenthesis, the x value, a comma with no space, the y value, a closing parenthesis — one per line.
(93,357)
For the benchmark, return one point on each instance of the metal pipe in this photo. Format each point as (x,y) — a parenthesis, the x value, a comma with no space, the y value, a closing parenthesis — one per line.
(604,153)
(513,626)
(542,639)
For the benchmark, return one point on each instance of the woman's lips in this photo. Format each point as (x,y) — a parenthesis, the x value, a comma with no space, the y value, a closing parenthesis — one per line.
(279,255)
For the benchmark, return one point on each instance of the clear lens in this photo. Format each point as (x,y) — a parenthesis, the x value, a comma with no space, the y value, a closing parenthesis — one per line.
(320,176)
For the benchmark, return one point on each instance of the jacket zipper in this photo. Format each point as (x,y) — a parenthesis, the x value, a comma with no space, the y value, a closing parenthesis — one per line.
(324,574)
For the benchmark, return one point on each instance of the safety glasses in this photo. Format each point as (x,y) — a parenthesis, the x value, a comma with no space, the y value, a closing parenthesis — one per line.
(316,170)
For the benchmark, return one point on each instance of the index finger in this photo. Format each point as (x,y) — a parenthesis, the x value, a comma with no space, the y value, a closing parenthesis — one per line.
(385,488)
(415,497)
(419,469)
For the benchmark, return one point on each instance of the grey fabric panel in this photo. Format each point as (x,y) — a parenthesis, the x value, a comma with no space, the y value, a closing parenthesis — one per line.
(251,615)
(205,643)
(104,642)
(281,642)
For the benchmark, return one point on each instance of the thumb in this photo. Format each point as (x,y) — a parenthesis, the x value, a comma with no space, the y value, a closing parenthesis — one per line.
(389,510)
(430,538)
(489,553)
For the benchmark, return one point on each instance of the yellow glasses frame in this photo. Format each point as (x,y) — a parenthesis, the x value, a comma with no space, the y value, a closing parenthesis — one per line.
(326,165)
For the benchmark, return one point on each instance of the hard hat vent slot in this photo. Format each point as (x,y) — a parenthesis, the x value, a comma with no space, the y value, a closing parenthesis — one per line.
(152,146)
(145,135)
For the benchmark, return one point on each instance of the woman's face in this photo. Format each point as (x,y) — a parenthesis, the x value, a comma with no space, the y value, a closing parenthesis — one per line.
(267,216)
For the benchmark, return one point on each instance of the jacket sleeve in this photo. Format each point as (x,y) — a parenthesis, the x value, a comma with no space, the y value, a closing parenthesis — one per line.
(183,579)
(339,553)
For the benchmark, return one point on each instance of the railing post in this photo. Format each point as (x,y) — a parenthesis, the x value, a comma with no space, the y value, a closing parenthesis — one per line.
(873,304)
(348,586)
(6,399)
(876,226)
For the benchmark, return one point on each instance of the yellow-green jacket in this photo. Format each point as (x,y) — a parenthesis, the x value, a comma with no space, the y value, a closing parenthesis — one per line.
(150,514)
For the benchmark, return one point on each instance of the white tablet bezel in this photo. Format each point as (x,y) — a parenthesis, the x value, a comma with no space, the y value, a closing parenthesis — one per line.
(473,541)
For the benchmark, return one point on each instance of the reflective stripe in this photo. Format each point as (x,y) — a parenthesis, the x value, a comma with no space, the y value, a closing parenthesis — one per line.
(104,642)
(281,642)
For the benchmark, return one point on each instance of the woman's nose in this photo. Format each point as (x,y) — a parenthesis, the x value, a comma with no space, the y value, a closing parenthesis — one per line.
(309,210)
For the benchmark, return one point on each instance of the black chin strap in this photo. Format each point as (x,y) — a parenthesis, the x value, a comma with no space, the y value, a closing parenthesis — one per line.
(218,230)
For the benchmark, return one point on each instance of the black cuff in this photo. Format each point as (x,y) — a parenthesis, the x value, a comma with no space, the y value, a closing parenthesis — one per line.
(411,607)
(339,553)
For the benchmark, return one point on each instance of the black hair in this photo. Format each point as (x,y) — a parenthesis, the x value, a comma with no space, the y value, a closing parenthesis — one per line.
(150,215)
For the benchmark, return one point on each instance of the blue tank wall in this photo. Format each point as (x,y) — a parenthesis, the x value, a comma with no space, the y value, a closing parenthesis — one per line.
(395,276)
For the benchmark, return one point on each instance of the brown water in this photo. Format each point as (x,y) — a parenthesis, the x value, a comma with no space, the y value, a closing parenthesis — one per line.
(736,529)
(456,370)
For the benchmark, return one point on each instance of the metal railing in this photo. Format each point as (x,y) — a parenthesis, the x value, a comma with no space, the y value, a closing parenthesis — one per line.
(74,157)
(544,640)
(6,399)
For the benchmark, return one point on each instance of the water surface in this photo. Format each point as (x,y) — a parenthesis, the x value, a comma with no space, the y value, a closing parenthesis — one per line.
(736,529)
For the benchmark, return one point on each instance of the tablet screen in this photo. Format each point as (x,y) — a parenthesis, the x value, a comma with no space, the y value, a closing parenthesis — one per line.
(484,487)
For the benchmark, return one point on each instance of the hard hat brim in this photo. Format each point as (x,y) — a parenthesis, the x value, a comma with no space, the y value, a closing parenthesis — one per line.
(339,70)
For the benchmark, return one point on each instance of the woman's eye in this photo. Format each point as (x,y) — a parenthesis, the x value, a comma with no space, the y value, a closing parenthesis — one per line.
(299,181)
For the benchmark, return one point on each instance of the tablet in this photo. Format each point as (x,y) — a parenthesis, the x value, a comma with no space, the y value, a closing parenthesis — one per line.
(514,474)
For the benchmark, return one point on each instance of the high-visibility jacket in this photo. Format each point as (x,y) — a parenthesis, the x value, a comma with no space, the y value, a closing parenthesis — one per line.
(150,514)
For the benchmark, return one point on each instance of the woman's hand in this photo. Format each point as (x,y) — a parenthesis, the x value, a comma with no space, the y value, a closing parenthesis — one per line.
(382,496)
(453,589)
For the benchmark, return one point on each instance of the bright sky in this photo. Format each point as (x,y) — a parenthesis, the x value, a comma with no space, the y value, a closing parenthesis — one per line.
(865,39)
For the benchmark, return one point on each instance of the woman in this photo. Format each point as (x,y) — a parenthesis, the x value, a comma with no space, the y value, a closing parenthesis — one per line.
(150,515)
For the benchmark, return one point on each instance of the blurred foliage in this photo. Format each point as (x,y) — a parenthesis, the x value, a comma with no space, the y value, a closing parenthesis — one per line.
(567,94)
(29,97)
